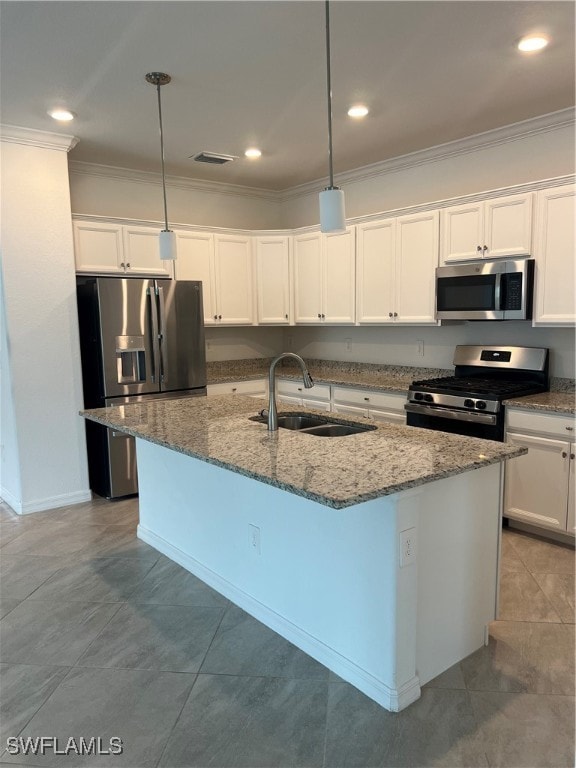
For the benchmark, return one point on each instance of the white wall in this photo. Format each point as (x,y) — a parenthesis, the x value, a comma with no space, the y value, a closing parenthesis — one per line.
(44,456)
(243,343)
(459,168)
(133,195)
(399,345)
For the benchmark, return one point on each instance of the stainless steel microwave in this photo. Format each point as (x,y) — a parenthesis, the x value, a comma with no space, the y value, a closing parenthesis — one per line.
(486,290)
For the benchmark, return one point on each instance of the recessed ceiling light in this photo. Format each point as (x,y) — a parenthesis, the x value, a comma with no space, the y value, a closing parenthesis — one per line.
(532,43)
(63,115)
(253,153)
(358,110)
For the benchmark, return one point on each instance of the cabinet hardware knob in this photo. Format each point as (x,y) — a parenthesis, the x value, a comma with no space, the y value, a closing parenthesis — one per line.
(234,389)
(122,264)
(367,399)
(478,247)
(286,316)
(219,317)
(570,429)
(215,317)
(572,456)
(564,454)
(389,314)
(485,248)
(128,265)
(323,317)
(299,389)
(319,315)
(395,314)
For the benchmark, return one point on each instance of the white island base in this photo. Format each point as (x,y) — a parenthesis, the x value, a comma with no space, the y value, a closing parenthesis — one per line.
(385,616)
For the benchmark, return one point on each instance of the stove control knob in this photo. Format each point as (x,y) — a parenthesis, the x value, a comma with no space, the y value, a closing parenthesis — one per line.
(481,405)
(418,396)
(469,403)
(429,398)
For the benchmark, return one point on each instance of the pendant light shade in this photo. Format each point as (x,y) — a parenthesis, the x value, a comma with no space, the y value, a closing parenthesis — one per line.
(167,241)
(332,215)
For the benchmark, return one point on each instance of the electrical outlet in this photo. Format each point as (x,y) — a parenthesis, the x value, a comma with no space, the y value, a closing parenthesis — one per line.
(255,539)
(407,547)
(420,347)
(348,345)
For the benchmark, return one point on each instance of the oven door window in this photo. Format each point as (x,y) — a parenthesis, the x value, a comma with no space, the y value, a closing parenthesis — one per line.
(473,293)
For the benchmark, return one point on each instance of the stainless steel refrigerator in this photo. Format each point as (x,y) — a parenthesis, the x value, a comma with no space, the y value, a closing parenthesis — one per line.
(139,339)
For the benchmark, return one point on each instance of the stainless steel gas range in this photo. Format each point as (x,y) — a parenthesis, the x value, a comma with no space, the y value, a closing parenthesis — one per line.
(471,402)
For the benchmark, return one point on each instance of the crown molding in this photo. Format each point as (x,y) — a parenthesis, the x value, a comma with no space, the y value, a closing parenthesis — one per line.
(475,143)
(14,134)
(177,182)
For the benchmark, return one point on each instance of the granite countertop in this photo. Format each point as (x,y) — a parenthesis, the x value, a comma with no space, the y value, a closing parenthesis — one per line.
(553,402)
(337,472)
(380,377)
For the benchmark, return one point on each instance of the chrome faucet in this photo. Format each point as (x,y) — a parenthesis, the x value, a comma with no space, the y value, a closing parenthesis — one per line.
(272,411)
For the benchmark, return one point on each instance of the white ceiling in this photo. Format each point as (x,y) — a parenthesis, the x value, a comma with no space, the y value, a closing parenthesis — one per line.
(254,73)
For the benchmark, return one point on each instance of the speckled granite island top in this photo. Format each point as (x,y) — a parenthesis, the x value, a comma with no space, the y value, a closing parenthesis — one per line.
(338,472)
(552,402)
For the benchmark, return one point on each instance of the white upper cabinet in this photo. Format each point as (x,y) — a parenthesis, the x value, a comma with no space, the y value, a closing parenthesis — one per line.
(112,249)
(554,253)
(396,266)
(224,265)
(324,268)
(273,279)
(491,229)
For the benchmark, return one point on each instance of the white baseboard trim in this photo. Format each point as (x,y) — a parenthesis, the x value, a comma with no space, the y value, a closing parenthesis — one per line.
(42,505)
(392,699)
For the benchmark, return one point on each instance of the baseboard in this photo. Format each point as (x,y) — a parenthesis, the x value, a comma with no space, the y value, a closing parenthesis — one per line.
(42,505)
(390,698)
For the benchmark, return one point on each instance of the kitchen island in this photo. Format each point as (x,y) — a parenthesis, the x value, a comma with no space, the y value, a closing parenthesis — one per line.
(376,553)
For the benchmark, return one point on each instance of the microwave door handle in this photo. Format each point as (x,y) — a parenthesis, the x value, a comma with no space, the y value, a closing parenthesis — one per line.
(153,334)
(500,294)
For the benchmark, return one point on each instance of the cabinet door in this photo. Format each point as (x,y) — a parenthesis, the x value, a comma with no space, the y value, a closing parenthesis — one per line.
(537,483)
(417,243)
(554,253)
(339,283)
(571,518)
(142,252)
(462,233)
(196,262)
(375,271)
(308,278)
(98,247)
(508,226)
(234,288)
(273,280)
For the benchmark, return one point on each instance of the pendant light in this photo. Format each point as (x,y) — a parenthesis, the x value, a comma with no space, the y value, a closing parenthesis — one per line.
(332,217)
(167,237)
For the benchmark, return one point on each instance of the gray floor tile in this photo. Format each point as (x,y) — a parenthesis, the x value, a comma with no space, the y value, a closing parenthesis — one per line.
(24,689)
(54,540)
(451,678)
(51,632)
(7,604)
(559,589)
(523,730)
(523,657)
(244,646)
(21,575)
(10,531)
(437,730)
(250,722)
(510,560)
(162,637)
(106,579)
(140,707)
(170,584)
(117,541)
(543,556)
(521,599)
(101,512)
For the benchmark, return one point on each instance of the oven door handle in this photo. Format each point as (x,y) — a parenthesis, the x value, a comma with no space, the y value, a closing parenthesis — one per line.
(448,413)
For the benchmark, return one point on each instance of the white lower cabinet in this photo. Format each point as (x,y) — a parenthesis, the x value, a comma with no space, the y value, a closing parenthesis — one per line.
(539,487)
(295,393)
(251,388)
(379,406)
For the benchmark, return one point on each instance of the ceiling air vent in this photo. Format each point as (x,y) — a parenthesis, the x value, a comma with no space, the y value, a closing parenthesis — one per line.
(215,158)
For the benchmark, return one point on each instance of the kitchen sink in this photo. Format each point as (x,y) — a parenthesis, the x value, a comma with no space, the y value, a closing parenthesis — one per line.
(319,426)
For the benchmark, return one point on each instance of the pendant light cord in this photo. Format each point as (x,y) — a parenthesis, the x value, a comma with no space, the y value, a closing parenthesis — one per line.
(329,89)
(162,157)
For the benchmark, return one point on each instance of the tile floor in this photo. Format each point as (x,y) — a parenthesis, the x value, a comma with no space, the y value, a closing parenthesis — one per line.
(102,636)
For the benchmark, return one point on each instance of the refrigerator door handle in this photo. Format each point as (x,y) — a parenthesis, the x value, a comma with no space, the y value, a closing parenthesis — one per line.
(161,333)
(154,342)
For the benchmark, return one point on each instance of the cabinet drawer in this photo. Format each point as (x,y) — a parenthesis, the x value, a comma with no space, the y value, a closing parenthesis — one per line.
(297,389)
(252,387)
(558,424)
(366,398)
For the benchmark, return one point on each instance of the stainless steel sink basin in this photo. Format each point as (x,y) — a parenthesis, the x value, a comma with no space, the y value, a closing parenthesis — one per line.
(320,426)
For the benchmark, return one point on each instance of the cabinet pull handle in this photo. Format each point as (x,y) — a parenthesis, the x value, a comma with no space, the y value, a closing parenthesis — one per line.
(564,454)
(570,429)
(367,399)
(234,389)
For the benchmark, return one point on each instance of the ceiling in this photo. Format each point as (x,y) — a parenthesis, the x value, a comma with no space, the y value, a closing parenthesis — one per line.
(254,73)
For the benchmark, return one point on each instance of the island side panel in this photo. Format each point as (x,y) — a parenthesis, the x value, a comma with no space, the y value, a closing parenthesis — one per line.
(327,580)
